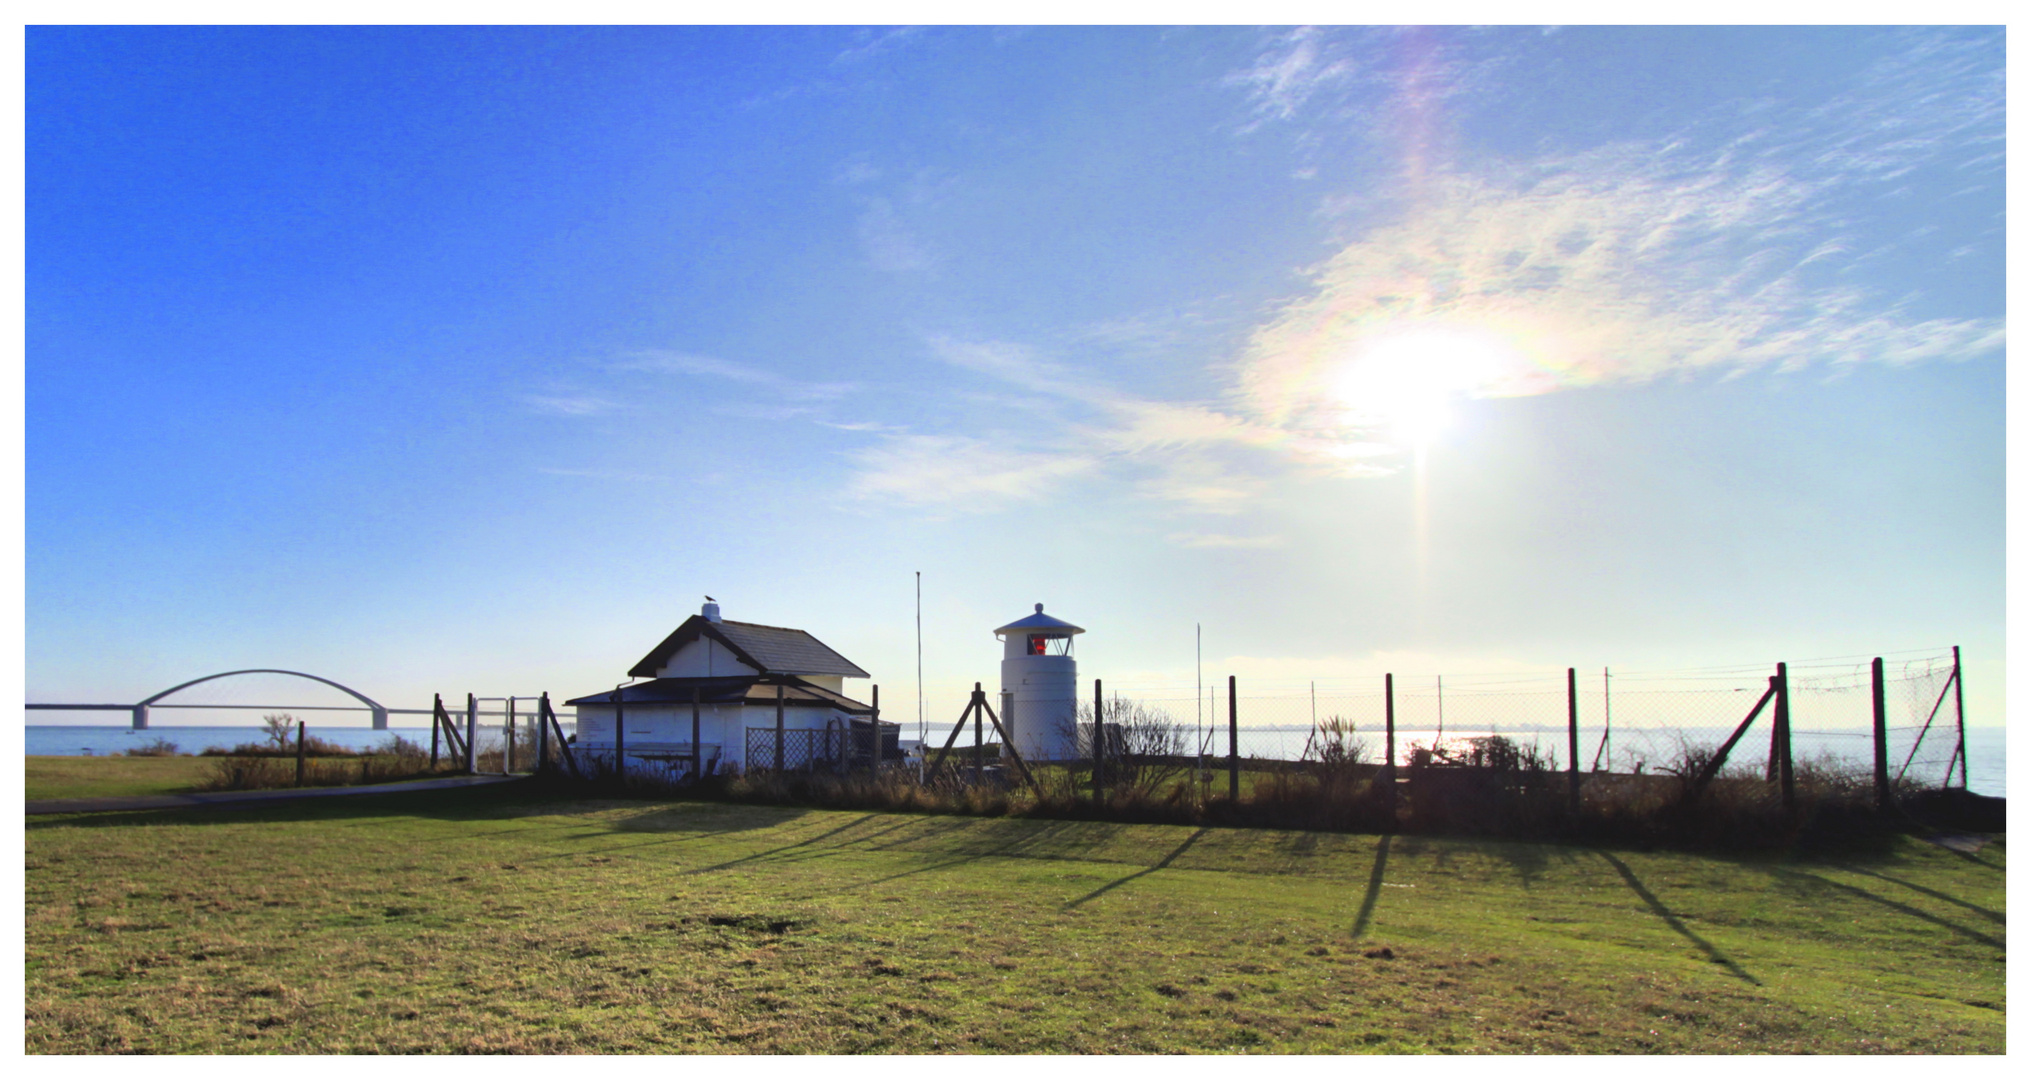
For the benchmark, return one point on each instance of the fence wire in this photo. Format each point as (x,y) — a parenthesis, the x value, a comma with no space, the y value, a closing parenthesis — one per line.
(1640,722)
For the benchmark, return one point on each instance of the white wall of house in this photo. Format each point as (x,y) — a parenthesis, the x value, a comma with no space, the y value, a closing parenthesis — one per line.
(652,727)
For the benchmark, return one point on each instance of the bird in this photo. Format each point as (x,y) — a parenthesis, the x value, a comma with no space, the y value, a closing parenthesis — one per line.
(710,600)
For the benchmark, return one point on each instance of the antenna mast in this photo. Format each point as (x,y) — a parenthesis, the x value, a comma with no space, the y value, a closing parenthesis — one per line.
(920,661)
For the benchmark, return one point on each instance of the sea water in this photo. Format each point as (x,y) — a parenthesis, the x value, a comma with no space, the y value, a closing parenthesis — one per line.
(1655,746)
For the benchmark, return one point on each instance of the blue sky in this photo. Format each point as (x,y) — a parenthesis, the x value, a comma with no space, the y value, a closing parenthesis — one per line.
(467,359)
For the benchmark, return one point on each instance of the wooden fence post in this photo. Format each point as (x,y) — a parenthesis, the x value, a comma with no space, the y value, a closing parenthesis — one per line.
(979,747)
(542,741)
(697,755)
(508,748)
(874,730)
(1389,746)
(1572,740)
(1099,738)
(778,764)
(472,734)
(1784,725)
(436,710)
(1880,729)
(299,753)
(557,731)
(1960,724)
(620,734)
(1233,747)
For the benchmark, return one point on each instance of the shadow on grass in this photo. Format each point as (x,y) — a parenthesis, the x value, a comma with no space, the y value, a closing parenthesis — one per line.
(1992,916)
(1007,849)
(1901,908)
(1161,863)
(1367,912)
(777,851)
(1657,907)
(1969,856)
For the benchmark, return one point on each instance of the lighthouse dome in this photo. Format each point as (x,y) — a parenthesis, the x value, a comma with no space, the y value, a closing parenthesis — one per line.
(1040,623)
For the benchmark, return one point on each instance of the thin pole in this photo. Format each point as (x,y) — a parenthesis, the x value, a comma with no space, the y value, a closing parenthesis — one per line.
(779,726)
(874,730)
(436,722)
(299,753)
(472,733)
(1960,723)
(1389,724)
(1389,742)
(1099,738)
(508,752)
(979,747)
(923,734)
(1199,697)
(621,734)
(1572,739)
(697,755)
(1881,733)
(1233,747)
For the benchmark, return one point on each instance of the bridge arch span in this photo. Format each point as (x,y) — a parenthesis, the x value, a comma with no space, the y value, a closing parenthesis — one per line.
(379,710)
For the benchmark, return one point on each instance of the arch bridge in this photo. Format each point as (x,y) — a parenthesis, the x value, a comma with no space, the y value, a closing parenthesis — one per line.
(139,710)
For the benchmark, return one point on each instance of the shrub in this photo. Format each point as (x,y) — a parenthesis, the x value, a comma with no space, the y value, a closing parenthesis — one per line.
(158,747)
(1492,787)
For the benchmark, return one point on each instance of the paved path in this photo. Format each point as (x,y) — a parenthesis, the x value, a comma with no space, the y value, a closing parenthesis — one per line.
(224,798)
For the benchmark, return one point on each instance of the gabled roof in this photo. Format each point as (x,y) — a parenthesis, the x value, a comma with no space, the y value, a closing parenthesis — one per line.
(775,650)
(727,690)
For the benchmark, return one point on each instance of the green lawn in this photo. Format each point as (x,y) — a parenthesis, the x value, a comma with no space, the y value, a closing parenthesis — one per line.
(493,920)
(87,777)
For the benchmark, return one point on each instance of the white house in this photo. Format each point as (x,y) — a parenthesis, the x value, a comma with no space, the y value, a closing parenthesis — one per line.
(744,682)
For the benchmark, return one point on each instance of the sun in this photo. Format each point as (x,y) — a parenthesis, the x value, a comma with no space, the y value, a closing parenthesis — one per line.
(1404,383)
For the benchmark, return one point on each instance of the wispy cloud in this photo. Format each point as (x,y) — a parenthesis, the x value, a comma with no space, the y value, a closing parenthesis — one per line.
(957,472)
(1223,540)
(606,474)
(1719,250)
(888,243)
(569,404)
(872,43)
(1291,68)
(680,363)
(1616,266)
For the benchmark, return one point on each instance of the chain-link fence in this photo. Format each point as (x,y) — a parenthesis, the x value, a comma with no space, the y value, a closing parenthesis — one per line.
(829,749)
(1631,723)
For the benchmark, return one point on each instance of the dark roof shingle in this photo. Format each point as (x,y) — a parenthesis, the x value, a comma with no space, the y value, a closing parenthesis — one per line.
(726,690)
(777,650)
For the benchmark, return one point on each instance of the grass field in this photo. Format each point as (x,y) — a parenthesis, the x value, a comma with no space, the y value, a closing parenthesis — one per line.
(492,920)
(90,777)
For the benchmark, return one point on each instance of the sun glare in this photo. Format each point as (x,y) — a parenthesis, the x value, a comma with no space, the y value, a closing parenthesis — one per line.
(1405,382)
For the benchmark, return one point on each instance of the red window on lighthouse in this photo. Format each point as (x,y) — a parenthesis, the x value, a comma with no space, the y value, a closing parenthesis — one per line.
(1036,644)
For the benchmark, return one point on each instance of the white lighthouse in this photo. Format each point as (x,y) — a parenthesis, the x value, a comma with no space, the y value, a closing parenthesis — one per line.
(1040,687)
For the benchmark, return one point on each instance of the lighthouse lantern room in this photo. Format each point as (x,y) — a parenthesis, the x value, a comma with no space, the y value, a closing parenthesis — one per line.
(1040,687)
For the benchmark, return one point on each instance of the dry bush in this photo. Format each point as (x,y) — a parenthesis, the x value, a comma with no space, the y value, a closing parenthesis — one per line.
(1494,787)
(262,771)
(157,747)
(1142,747)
